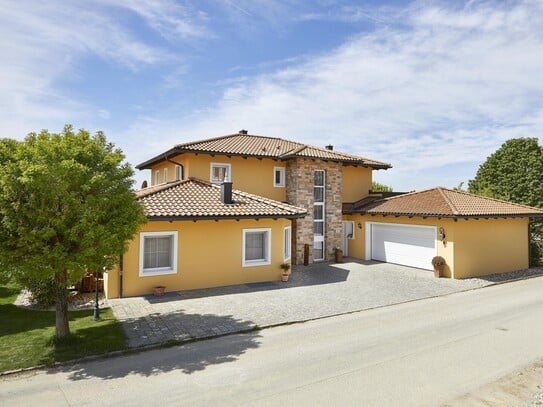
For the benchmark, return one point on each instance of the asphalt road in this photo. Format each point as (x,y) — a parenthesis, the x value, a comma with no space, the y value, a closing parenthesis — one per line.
(423,353)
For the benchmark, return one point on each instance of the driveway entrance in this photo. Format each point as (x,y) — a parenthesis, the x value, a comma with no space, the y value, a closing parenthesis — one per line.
(315,291)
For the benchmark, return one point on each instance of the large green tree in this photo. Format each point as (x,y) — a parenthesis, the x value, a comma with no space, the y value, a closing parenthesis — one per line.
(66,207)
(514,173)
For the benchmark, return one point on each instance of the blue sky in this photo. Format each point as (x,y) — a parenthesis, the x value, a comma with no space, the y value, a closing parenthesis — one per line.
(431,87)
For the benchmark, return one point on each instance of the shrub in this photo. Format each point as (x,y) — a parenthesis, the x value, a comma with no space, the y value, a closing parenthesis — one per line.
(42,291)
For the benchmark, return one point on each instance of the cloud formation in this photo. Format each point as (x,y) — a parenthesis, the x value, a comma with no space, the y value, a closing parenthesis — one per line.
(433,87)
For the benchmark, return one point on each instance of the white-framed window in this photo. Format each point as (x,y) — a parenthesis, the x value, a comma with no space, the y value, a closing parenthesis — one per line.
(157,177)
(278,177)
(158,253)
(348,230)
(177,172)
(256,247)
(287,243)
(219,172)
(319,215)
(165,174)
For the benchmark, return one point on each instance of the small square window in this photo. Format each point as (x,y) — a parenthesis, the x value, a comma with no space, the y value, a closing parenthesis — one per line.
(279,176)
(219,173)
(256,247)
(158,253)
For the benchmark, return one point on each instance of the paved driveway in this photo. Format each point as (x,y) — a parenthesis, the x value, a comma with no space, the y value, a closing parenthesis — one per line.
(314,291)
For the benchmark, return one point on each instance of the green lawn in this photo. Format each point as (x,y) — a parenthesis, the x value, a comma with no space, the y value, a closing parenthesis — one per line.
(26,336)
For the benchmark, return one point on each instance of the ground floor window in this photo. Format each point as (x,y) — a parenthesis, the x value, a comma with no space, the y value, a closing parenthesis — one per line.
(287,243)
(158,253)
(256,247)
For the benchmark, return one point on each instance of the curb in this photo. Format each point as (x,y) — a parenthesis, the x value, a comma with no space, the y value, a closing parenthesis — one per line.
(180,342)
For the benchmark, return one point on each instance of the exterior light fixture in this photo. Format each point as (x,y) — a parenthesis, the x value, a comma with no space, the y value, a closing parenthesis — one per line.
(441,234)
(359,225)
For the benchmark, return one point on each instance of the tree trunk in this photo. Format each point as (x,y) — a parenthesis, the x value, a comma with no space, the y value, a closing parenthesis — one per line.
(61,315)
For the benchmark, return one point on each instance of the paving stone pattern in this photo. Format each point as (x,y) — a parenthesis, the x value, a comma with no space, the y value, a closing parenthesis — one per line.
(314,291)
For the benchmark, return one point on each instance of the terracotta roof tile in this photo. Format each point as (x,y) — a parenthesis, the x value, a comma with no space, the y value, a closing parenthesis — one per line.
(443,202)
(263,147)
(197,199)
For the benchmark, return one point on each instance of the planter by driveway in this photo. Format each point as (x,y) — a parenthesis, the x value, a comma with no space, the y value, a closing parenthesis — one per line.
(314,291)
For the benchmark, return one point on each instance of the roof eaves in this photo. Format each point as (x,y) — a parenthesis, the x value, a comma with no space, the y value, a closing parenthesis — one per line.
(227,217)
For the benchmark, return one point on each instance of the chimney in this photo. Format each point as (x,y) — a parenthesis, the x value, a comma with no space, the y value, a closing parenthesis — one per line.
(329,147)
(243,131)
(226,193)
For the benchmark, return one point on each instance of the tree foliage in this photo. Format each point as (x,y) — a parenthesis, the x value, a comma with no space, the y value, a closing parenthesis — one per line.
(377,187)
(66,206)
(514,173)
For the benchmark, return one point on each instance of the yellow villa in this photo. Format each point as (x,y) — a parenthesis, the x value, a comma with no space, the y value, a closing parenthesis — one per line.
(231,209)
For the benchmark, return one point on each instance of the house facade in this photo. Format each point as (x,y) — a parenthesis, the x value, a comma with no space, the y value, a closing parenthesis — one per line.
(316,179)
(229,210)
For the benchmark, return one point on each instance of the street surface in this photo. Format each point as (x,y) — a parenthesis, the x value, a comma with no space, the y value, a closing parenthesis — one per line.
(424,353)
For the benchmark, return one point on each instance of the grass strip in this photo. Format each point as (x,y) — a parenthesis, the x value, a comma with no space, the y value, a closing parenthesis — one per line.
(27,336)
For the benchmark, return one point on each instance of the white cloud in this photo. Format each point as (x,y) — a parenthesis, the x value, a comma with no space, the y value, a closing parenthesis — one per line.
(438,87)
(42,44)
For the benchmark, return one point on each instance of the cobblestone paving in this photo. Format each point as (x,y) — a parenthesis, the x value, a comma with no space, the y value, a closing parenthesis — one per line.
(313,291)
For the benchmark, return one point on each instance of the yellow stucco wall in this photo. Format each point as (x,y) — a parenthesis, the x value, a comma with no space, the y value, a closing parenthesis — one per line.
(247,174)
(356,183)
(209,255)
(471,248)
(489,246)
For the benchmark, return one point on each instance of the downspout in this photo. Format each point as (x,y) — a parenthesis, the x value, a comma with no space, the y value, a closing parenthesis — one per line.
(121,276)
(176,163)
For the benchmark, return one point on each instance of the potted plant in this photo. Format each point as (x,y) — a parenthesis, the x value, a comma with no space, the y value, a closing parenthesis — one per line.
(158,290)
(439,264)
(338,254)
(286,271)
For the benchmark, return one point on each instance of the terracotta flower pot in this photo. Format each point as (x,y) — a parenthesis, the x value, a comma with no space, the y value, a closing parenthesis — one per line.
(158,291)
(284,277)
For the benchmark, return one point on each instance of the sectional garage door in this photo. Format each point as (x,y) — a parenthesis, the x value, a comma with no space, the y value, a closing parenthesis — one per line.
(403,244)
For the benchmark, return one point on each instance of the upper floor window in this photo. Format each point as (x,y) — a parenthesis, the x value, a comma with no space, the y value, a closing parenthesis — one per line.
(166,174)
(220,172)
(157,177)
(177,172)
(279,176)
(158,253)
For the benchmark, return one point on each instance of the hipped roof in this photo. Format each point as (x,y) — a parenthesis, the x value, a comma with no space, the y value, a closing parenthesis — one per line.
(247,145)
(442,203)
(194,199)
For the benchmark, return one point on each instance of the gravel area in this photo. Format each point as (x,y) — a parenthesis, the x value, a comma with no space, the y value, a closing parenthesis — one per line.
(76,301)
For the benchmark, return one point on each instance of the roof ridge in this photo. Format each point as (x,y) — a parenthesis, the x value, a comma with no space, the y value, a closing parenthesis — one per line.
(447,200)
(157,188)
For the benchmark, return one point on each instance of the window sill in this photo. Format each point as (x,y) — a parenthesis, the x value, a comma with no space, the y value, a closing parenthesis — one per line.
(256,263)
(157,272)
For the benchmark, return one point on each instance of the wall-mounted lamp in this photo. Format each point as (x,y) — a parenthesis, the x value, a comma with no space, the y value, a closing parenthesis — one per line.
(442,235)
(359,225)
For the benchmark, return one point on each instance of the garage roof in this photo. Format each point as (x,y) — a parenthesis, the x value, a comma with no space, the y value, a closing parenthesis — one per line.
(194,199)
(443,203)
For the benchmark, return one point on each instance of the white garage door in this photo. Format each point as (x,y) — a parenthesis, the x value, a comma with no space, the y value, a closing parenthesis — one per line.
(401,244)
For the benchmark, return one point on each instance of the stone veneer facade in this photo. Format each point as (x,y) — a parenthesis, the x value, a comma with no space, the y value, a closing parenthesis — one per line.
(299,192)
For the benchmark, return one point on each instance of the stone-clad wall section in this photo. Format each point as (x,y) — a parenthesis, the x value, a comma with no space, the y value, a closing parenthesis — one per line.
(299,192)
